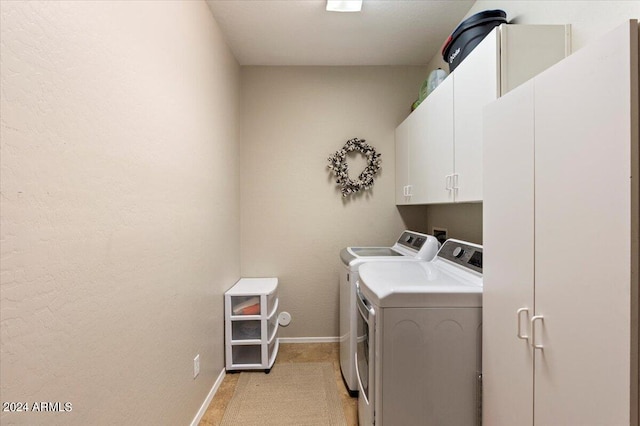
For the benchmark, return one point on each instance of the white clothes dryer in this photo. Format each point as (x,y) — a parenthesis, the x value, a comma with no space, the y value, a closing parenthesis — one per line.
(418,358)
(409,246)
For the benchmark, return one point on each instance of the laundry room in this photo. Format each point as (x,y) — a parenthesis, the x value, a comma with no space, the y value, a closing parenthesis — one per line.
(184,185)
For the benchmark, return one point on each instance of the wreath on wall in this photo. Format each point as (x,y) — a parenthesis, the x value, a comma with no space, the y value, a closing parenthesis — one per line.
(338,164)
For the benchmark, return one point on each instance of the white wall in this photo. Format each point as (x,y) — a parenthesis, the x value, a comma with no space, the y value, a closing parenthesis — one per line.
(119,207)
(294,220)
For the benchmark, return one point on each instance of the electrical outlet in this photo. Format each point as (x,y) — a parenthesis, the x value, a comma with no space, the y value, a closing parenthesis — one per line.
(196,366)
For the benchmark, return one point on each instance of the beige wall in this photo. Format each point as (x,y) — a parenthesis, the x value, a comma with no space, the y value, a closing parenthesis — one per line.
(120,208)
(294,220)
(462,221)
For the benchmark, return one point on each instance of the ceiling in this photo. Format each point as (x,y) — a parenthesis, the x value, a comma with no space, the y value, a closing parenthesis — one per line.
(301,32)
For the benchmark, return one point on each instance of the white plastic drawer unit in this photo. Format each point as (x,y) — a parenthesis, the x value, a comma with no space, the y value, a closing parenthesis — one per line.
(251,324)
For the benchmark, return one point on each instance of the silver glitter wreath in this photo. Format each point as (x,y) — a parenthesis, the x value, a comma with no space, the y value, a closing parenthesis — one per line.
(338,164)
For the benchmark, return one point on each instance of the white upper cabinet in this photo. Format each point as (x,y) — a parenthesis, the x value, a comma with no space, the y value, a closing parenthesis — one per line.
(477,84)
(424,150)
(434,148)
(439,153)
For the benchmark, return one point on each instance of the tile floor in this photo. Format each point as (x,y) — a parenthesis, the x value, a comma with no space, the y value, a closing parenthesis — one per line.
(288,352)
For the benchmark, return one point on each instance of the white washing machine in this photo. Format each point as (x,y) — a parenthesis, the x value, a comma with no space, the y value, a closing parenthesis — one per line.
(410,246)
(418,358)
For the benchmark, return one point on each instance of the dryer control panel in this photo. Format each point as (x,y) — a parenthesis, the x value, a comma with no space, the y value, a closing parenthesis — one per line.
(464,254)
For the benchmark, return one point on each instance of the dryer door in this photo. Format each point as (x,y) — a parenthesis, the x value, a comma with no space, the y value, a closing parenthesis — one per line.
(365,360)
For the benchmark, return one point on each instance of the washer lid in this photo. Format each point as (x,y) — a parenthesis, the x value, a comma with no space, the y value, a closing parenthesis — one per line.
(419,285)
(374,251)
(355,256)
(410,245)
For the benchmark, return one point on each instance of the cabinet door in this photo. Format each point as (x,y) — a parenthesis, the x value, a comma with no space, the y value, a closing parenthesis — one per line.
(431,150)
(508,210)
(402,160)
(584,139)
(476,84)
(527,50)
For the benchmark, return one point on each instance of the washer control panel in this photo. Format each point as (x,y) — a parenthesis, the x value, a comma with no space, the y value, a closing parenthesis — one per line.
(412,240)
(467,255)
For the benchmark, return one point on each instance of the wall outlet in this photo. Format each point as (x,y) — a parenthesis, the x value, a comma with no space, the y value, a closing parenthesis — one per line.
(196,366)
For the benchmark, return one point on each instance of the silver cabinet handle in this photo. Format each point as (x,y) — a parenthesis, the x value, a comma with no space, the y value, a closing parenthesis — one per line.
(447,182)
(519,315)
(535,318)
(455,181)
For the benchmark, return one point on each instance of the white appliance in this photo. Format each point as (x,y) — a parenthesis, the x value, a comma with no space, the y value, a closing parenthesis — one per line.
(418,358)
(410,246)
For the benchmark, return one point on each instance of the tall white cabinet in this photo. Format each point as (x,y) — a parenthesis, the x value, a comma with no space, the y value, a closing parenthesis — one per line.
(439,146)
(560,303)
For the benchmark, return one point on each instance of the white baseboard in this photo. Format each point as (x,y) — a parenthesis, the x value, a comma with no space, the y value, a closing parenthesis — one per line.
(308,339)
(207,401)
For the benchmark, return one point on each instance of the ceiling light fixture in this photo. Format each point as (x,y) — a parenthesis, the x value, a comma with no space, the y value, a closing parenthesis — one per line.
(344,5)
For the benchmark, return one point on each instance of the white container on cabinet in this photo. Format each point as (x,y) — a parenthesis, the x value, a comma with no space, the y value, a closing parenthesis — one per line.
(439,146)
(251,324)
